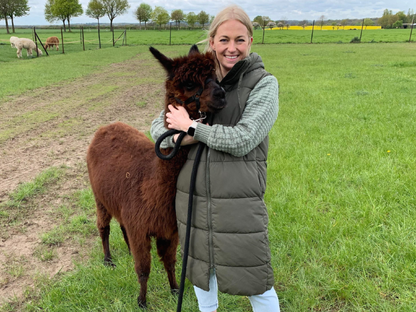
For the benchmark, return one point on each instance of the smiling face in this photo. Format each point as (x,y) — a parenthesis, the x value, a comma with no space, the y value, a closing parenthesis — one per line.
(231,44)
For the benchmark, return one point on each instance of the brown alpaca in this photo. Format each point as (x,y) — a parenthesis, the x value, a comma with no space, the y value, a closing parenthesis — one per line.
(52,41)
(137,188)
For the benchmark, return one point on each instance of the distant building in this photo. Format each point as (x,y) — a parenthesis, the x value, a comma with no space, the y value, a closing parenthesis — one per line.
(408,25)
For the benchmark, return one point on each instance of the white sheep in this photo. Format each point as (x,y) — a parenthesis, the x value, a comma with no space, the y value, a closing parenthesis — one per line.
(23,43)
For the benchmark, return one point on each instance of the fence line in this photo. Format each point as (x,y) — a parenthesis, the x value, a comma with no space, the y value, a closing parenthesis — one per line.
(272,36)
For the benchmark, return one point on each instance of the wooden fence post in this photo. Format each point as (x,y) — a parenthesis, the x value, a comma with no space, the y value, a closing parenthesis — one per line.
(313,26)
(411,29)
(99,39)
(362,26)
(62,40)
(36,42)
(170,33)
(83,39)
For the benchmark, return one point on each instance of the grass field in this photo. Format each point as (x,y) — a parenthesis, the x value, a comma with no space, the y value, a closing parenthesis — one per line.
(73,43)
(341,189)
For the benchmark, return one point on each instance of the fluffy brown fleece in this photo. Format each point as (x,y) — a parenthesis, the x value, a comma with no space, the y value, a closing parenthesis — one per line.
(51,42)
(134,186)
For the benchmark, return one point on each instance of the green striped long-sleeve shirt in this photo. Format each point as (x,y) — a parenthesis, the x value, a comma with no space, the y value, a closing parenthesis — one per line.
(257,120)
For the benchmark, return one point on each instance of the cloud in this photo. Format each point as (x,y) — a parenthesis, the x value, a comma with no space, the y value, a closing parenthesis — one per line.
(288,9)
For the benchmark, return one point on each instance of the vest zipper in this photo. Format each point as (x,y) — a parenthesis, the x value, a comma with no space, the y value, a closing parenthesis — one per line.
(209,211)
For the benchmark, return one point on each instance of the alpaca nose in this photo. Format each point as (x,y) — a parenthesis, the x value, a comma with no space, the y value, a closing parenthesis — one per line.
(219,93)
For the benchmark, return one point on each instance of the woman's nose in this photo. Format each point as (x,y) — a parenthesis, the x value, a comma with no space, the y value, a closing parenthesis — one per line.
(231,46)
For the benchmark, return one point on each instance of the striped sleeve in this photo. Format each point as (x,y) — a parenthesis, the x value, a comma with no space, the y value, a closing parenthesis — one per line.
(158,128)
(257,120)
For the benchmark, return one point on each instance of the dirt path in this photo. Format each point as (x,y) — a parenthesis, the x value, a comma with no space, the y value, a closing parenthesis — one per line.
(53,126)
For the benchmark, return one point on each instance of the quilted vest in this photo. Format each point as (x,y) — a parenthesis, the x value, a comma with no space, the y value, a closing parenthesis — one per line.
(229,224)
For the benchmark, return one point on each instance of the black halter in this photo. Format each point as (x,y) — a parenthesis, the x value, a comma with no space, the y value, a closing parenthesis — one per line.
(195,98)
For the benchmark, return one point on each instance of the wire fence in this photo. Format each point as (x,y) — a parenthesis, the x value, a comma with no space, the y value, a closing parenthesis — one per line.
(90,38)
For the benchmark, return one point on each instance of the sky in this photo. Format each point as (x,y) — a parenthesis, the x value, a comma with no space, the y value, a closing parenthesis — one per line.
(274,9)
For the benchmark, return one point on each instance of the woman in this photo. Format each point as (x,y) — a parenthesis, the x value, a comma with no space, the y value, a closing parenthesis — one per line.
(229,248)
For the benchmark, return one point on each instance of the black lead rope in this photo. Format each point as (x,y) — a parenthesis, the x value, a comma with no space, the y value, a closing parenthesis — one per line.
(201,147)
(190,201)
(188,224)
(175,149)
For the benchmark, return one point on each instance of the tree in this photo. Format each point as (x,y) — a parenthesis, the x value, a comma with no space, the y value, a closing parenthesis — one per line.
(114,8)
(402,17)
(62,10)
(259,19)
(177,16)
(321,21)
(143,14)
(4,9)
(388,19)
(343,23)
(303,24)
(160,16)
(96,10)
(368,22)
(202,18)
(256,25)
(17,8)
(280,25)
(51,16)
(191,19)
(398,24)
(271,25)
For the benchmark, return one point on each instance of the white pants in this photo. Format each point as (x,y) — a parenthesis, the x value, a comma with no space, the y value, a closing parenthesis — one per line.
(208,300)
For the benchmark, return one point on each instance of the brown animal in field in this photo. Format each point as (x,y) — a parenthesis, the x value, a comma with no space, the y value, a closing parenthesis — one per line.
(137,188)
(52,41)
(23,43)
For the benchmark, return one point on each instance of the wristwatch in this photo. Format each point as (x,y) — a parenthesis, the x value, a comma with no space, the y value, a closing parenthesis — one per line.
(192,128)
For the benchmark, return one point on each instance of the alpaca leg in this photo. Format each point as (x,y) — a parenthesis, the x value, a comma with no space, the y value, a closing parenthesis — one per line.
(29,52)
(142,259)
(126,239)
(166,249)
(19,53)
(103,225)
(57,47)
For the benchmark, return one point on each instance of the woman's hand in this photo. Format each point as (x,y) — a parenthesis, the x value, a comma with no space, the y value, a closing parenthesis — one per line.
(178,118)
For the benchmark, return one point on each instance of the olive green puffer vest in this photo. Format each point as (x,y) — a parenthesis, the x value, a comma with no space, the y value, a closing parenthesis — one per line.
(229,224)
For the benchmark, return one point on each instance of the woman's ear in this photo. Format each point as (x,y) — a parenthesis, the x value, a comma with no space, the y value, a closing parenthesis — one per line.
(211,44)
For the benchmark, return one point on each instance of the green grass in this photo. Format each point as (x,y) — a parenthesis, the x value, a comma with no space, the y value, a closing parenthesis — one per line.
(341,190)
(28,190)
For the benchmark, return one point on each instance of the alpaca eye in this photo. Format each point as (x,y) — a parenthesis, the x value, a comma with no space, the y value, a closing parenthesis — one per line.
(189,85)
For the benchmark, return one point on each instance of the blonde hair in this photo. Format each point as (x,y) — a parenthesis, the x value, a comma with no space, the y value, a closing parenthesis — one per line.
(232,12)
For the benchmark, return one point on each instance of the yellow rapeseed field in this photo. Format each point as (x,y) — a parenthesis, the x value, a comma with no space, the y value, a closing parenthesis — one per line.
(326,27)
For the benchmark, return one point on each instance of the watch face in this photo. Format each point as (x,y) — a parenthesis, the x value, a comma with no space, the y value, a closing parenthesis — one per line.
(191,131)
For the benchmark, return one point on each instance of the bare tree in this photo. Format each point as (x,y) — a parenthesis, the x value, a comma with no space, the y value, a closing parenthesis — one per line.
(321,21)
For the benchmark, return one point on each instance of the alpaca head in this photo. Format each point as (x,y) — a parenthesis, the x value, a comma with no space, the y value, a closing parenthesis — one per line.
(191,82)
(12,41)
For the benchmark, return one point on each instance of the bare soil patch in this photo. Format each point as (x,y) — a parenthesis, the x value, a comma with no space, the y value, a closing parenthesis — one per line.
(53,126)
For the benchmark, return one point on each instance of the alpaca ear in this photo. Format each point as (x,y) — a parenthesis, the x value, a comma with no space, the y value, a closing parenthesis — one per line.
(165,61)
(193,50)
